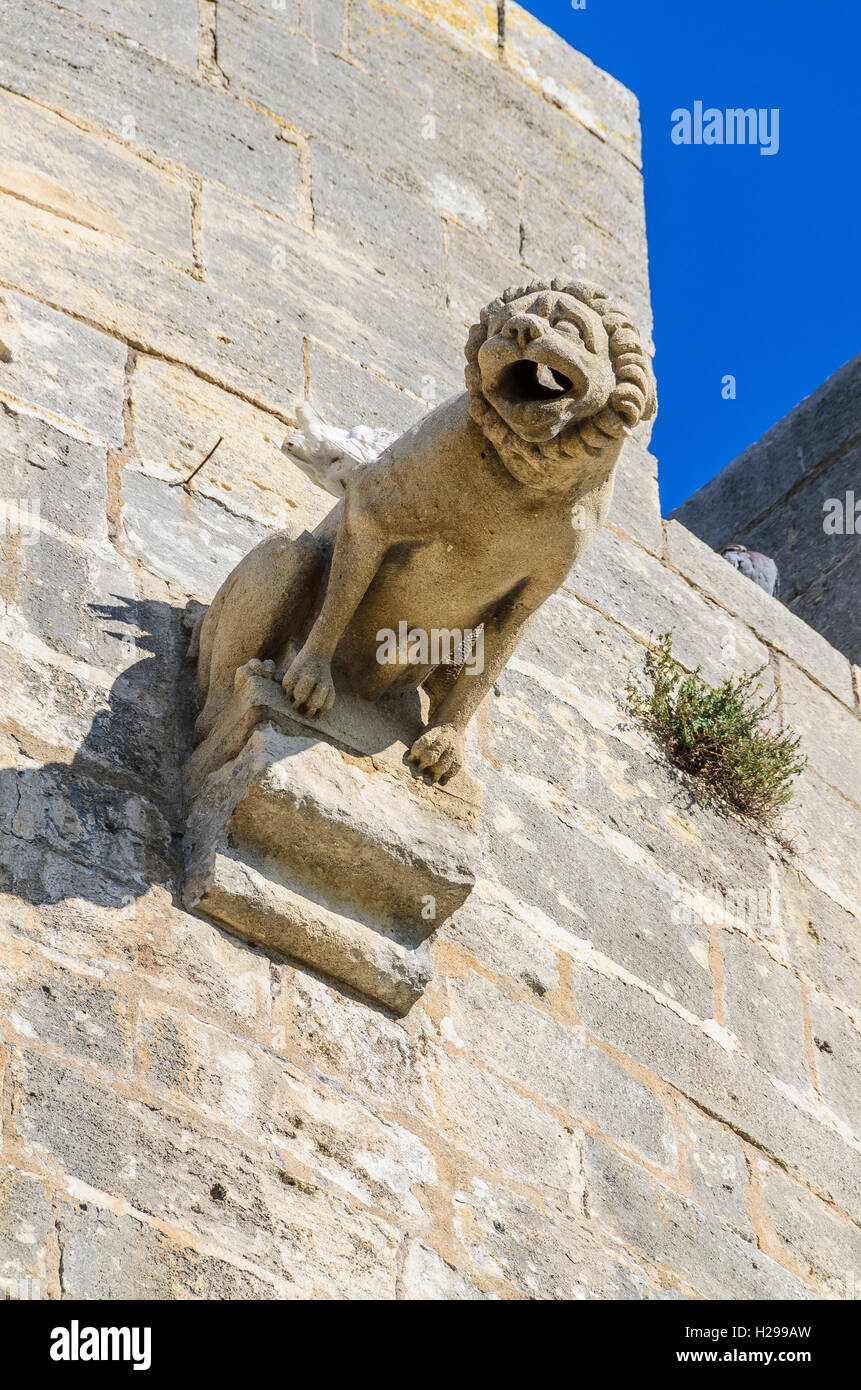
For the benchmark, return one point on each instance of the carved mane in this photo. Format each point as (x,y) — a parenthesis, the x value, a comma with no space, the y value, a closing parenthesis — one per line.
(632,400)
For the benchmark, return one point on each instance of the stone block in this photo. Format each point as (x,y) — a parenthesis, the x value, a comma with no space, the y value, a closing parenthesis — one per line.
(706,1068)
(328,1249)
(497,111)
(177,418)
(346,392)
(633,587)
(237,1198)
(54,904)
(364,1052)
(812,1235)
(348,1149)
(554,753)
(90,821)
(826,830)
(575,875)
(376,220)
(321,21)
(830,605)
(26,1228)
(822,939)
(495,929)
(185,537)
(809,550)
(381,731)
(830,735)
(192,963)
(548,1060)
(575,654)
(769,619)
(717,1169)
(62,370)
(67,598)
(675,1233)
(242,1087)
(347,862)
(636,506)
(148,302)
(476,271)
(426,1276)
(764,1010)
(561,235)
(254,258)
(436,155)
(508,1135)
(103,184)
(585,172)
(473,23)
(131,731)
(837,1054)
(535,1254)
(108,1255)
(288,13)
(165,27)
(57,904)
(827,419)
(569,80)
(82,1012)
(58,478)
(79,69)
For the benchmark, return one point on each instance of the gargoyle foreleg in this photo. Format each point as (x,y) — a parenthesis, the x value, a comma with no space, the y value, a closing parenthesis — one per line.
(439,750)
(357,556)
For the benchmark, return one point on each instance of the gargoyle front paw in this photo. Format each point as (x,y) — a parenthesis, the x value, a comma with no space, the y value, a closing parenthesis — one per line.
(439,751)
(260,668)
(308,685)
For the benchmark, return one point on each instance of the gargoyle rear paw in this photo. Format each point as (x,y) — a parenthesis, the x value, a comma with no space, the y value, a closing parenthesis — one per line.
(261,668)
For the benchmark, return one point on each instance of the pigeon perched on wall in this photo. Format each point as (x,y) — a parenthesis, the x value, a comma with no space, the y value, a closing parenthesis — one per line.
(327,454)
(760,568)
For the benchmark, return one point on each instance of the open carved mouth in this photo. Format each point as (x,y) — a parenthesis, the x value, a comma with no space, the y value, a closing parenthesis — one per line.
(533,381)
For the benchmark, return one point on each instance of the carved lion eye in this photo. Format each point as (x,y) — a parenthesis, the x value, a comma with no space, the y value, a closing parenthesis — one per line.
(566,326)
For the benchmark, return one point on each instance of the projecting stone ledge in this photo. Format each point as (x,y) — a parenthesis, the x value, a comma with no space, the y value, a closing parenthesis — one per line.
(316,840)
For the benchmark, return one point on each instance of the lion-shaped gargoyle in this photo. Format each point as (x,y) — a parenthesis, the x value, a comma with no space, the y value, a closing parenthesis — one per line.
(468,522)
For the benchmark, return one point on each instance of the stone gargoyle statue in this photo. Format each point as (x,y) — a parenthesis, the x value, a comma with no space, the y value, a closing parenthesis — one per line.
(466,522)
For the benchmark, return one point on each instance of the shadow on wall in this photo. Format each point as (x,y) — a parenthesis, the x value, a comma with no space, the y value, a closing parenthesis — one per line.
(115,810)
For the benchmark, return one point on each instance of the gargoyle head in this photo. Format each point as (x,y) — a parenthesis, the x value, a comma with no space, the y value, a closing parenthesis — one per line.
(557,374)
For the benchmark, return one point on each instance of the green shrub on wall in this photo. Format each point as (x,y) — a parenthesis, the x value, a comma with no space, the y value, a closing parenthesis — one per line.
(720,734)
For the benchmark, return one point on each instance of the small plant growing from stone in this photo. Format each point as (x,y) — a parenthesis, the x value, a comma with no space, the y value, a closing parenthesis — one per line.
(719,734)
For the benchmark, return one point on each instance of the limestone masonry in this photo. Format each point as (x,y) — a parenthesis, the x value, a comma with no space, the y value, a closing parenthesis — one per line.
(796,494)
(635,1072)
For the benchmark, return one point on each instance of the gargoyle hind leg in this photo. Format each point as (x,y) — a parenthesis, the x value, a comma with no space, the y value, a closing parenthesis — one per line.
(358,552)
(267,595)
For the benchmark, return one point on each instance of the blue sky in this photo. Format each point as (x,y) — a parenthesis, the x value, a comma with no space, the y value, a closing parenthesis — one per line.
(753,258)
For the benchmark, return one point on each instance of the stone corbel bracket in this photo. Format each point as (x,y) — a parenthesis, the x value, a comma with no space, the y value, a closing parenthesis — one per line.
(316,840)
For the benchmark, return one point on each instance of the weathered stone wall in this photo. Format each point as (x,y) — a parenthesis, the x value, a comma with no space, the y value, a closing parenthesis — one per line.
(205,216)
(796,495)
